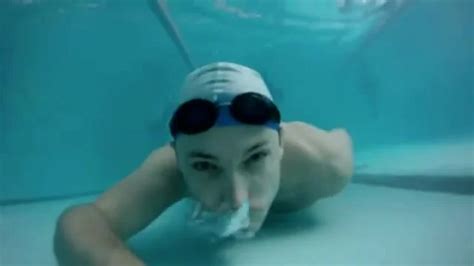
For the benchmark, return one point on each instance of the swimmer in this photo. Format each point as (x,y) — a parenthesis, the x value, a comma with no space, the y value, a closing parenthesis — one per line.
(229,149)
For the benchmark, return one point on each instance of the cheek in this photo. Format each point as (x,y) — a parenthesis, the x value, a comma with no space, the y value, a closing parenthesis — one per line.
(195,183)
(203,189)
(265,185)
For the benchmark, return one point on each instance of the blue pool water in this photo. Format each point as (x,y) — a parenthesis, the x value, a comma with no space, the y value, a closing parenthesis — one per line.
(87,86)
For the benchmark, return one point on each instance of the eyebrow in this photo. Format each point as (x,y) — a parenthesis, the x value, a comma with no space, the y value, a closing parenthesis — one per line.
(256,146)
(203,155)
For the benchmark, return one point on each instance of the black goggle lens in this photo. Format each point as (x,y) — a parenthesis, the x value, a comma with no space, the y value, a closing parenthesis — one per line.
(199,115)
(255,109)
(194,117)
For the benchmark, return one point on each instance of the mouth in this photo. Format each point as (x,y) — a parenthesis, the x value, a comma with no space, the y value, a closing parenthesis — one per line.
(222,225)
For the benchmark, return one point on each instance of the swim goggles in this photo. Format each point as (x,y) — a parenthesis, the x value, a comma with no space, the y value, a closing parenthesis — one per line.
(199,115)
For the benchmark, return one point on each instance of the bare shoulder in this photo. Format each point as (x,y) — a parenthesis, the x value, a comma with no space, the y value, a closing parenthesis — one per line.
(327,146)
(136,200)
(334,145)
(316,163)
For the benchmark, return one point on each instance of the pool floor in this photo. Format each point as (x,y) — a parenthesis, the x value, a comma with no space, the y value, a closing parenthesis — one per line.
(363,225)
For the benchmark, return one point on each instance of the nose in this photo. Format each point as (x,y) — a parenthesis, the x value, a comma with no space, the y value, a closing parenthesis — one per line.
(237,192)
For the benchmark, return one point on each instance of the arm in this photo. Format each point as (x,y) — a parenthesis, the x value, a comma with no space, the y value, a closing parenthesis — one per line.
(95,233)
(84,237)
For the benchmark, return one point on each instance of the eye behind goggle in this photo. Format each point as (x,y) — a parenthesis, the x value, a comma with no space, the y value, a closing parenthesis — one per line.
(193,117)
(199,115)
(253,108)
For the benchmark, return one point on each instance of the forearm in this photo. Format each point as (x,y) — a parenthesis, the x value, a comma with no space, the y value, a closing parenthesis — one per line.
(84,237)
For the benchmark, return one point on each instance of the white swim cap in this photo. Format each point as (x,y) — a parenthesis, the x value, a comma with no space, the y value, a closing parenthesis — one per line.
(221,82)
